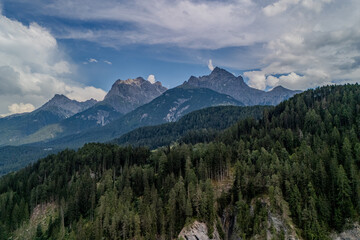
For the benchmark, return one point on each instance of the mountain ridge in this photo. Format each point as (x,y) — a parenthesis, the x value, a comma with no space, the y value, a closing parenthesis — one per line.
(168,107)
(225,82)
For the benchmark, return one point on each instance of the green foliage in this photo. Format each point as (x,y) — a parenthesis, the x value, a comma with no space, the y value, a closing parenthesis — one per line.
(304,152)
(198,126)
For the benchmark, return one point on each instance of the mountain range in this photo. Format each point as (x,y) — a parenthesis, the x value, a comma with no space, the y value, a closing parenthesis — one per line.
(224,82)
(132,103)
(14,128)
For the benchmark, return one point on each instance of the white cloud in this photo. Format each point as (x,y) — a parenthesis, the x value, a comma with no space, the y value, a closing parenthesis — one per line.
(295,43)
(84,93)
(33,68)
(278,7)
(210,65)
(256,79)
(186,23)
(107,62)
(19,108)
(315,5)
(272,81)
(283,5)
(92,60)
(151,79)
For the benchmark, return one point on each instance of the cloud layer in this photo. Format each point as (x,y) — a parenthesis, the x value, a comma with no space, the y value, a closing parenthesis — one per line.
(33,68)
(19,108)
(299,43)
(151,79)
(295,43)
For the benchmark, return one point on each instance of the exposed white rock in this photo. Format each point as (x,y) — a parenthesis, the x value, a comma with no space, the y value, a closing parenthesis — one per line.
(174,113)
(197,231)
(350,234)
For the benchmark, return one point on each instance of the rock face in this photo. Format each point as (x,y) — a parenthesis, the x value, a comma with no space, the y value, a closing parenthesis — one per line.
(197,231)
(65,107)
(276,225)
(349,234)
(177,102)
(222,81)
(126,95)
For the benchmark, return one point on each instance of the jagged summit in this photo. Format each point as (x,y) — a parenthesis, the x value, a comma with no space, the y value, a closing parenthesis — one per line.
(62,99)
(63,106)
(136,82)
(126,95)
(225,82)
(278,88)
(59,96)
(220,71)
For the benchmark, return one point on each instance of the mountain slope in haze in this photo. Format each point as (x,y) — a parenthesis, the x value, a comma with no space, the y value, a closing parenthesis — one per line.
(168,107)
(126,95)
(98,115)
(13,158)
(74,117)
(224,82)
(14,128)
(65,107)
(196,126)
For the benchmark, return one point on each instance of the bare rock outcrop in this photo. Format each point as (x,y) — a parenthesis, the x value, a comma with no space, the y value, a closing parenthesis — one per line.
(349,234)
(198,231)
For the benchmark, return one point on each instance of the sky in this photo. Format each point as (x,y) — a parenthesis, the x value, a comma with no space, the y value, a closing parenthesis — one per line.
(80,48)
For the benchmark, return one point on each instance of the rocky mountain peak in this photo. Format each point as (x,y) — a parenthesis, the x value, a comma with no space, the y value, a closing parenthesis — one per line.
(62,105)
(225,82)
(279,89)
(58,100)
(136,82)
(220,72)
(126,95)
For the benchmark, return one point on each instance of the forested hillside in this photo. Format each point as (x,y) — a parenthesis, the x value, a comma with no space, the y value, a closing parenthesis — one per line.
(198,126)
(298,165)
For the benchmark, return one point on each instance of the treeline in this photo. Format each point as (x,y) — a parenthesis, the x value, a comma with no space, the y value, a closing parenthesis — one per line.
(304,154)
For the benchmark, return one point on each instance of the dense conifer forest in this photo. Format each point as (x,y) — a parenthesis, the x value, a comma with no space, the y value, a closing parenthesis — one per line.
(303,156)
(198,126)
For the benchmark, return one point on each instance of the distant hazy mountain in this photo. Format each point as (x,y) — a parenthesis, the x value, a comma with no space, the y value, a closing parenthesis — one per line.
(168,107)
(126,95)
(222,81)
(61,116)
(15,128)
(64,107)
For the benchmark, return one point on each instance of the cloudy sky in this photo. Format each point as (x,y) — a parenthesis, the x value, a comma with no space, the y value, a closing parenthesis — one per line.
(79,48)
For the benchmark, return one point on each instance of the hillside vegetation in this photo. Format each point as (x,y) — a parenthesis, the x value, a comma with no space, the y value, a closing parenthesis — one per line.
(300,162)
(198,126)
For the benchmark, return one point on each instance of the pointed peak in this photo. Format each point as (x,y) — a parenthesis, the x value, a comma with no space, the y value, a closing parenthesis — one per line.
(279,87)
(130,81)
(220,71)
(217,69)
(59,96)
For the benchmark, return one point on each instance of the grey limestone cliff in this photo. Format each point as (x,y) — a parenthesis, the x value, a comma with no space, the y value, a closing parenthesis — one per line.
(126,95)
